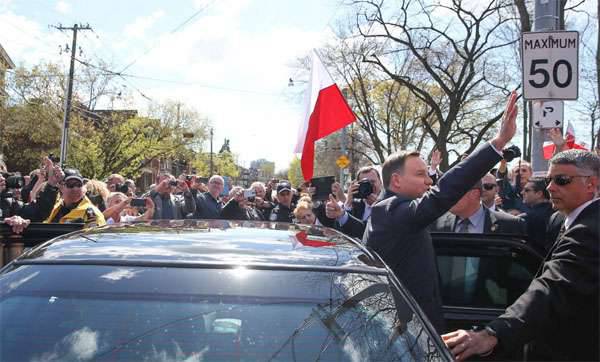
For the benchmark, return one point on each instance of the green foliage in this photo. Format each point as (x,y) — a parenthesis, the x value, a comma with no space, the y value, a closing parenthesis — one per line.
(28,132)
(294,174)
(224,164)
(99,149)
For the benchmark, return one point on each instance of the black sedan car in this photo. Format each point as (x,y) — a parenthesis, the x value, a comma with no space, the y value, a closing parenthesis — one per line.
(208,290)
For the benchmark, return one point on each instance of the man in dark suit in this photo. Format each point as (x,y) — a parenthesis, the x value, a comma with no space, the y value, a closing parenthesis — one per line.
(558,314)
(537,199)
(398,227)
(469,215)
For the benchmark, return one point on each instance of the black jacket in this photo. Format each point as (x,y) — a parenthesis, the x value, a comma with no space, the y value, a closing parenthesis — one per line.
(182,206)
(355,225)
(233,211)
(537,219)
(495,222)
(207,207)
(558,312)
(398,229)
(281,213)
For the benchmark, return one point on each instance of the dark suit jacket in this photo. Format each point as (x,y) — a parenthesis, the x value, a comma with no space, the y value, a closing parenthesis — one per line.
(559,309)
(398,229)
(207,207)
(354,226)
(495,222)
(537,219)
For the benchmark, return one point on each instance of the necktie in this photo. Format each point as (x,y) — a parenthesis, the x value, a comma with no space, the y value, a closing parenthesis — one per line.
(463,226)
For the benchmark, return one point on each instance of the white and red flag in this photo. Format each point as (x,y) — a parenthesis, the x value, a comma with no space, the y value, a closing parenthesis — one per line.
(326,112)
(570,143)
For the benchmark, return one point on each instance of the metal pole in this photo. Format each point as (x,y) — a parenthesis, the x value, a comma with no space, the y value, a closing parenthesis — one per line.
(547,17)
(65,135)
(211,152)
(343,147)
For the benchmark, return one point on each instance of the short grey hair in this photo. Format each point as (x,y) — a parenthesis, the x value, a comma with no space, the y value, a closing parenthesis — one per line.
(585,161)
(258,184)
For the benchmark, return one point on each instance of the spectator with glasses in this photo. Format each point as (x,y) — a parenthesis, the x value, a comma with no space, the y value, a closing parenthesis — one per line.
(208,204)
(469,215)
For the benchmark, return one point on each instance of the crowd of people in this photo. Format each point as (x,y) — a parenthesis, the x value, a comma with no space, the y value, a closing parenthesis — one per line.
(392,212)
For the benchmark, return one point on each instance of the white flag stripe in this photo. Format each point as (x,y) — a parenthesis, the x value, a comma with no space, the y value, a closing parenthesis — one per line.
(319,79)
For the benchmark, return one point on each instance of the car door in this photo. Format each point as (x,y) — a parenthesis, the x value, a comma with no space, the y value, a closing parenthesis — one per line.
(481,275)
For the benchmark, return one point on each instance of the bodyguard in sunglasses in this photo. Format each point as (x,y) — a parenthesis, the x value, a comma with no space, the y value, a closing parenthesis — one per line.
(558,314)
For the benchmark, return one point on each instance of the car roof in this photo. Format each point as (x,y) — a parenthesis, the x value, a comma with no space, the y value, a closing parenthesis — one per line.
(197,243)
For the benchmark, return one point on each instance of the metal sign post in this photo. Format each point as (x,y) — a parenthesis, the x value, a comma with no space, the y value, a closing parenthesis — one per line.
(550,70)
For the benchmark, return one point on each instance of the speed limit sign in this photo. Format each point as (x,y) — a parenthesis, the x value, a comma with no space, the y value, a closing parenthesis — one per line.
(550,65)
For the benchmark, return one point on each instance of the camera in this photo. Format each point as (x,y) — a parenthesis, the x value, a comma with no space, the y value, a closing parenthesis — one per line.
(15,182)
(54,159)
(250,195)
(173,183)
(138,202)
(510,153)
(121,188)
(188,178)
(365,188)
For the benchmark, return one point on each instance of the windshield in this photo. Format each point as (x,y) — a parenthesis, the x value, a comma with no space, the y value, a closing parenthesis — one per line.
(166,314)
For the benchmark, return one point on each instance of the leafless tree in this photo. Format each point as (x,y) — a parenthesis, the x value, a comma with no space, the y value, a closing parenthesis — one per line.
(388,116)
(450,51)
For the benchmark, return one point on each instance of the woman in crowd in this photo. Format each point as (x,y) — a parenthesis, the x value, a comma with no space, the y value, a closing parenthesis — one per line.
(119,210)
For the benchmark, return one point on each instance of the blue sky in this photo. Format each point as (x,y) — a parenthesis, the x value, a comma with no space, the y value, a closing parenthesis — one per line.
(235,56)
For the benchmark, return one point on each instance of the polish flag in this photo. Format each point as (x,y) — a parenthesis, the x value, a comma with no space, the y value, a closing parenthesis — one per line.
(569,141)
(326,112)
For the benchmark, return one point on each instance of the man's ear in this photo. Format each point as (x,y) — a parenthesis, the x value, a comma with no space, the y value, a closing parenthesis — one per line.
(593,183)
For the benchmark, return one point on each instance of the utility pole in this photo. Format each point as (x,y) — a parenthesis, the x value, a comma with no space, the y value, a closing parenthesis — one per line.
(547,17)
(211,152)
(65,134)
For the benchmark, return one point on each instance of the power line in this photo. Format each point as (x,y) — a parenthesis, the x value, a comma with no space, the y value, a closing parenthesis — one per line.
(202,85)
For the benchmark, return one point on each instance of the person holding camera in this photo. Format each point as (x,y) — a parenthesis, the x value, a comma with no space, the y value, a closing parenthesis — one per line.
(241,205)
(122,208)
(168,205)
(9,205)
(260,200)
(510,191)
(362,195)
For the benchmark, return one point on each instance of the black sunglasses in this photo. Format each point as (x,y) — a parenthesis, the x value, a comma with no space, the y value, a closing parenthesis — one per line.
(489,186)
(561,180)
(73,185)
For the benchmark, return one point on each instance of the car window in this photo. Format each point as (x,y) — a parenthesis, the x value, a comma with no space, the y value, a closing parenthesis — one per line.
(484,281)
(135,313)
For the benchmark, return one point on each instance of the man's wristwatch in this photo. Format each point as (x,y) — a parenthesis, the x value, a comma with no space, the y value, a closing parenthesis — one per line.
(492,333)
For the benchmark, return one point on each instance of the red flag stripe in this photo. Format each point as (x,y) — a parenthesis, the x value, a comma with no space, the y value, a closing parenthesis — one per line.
(331,113)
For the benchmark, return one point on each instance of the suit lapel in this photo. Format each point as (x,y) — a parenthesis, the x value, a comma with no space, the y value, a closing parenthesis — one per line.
(489,223)
(449,222)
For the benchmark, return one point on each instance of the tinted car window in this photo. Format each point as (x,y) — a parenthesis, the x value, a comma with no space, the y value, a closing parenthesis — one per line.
(486,281)
(133,313)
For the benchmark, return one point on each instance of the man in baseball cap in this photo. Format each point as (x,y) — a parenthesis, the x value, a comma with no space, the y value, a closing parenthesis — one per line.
(283,211)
